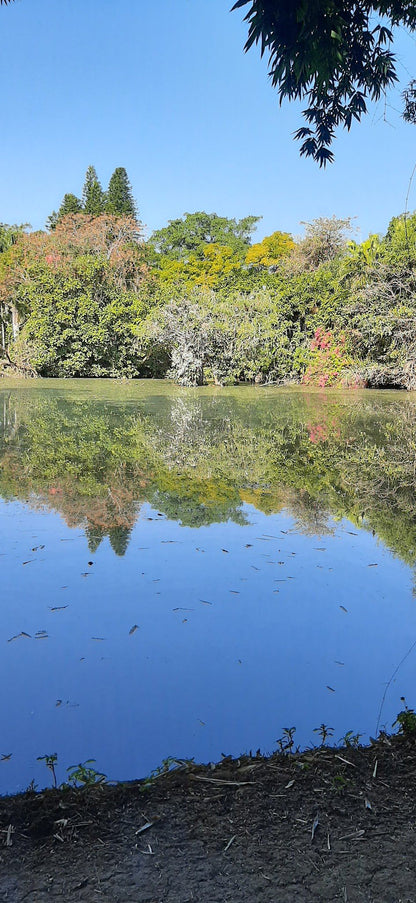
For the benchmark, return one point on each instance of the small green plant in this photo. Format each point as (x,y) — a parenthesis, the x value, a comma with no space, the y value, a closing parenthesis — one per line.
(166,765)
(339,782)
(85,775)
(351,740)
(286,743)
(50,762)
(324,732)
(406,720)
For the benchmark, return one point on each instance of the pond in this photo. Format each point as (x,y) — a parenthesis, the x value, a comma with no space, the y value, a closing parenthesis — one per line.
(188,573)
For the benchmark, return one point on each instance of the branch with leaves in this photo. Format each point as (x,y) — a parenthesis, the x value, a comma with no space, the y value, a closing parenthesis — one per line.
(336,54)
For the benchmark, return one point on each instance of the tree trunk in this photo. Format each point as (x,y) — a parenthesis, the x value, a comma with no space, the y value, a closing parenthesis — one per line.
(15,322)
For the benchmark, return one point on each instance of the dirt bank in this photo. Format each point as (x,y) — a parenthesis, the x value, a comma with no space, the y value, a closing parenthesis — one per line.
(326,825)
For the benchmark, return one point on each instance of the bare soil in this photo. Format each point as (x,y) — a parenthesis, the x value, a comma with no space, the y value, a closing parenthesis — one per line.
(326,825)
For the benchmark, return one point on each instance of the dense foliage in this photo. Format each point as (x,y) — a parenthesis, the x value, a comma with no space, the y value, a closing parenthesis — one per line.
(76,292)
(201,301)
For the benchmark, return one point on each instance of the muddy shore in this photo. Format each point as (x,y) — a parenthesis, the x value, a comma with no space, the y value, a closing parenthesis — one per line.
(325,825)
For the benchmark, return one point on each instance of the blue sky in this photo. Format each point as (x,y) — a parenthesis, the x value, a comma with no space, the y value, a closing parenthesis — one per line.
(165,90)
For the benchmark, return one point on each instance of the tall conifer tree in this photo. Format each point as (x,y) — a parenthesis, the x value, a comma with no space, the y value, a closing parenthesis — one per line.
(120,199)
(70,204)
(93,196)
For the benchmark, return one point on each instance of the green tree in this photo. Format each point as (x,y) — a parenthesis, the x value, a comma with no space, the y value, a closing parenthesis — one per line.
(190,235)
(70,204)
(93,197)
(120,201)
(9,235)
(336,54)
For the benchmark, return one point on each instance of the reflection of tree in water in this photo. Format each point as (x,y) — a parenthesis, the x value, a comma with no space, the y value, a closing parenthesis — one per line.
(8,421)
(94,535)
(191,426)
(198,458)
(186,508)
(119,539)
(310,517)
(75,460)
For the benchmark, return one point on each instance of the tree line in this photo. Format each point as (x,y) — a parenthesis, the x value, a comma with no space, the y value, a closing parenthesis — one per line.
(202,301)
(117,200)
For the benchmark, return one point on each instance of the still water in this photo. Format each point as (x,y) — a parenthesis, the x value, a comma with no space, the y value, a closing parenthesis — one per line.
(188,572)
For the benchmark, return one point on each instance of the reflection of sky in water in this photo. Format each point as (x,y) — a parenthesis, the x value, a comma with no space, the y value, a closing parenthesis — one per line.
(224,677)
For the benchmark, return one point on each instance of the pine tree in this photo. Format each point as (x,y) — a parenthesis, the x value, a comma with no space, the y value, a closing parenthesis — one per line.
(93,197)
(120,201)
(70,204)
(52,221)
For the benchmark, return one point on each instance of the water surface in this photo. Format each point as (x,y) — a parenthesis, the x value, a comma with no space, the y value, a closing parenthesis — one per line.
(188,572)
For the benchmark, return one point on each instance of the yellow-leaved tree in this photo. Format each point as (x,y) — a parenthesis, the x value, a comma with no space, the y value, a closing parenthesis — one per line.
(217,261)
(269,252)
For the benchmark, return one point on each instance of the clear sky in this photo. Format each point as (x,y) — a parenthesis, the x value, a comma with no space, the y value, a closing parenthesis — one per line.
(165,90)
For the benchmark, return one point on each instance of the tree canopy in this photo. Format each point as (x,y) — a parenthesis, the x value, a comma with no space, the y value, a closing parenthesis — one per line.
(268,252)
(194,231)
(336,54)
